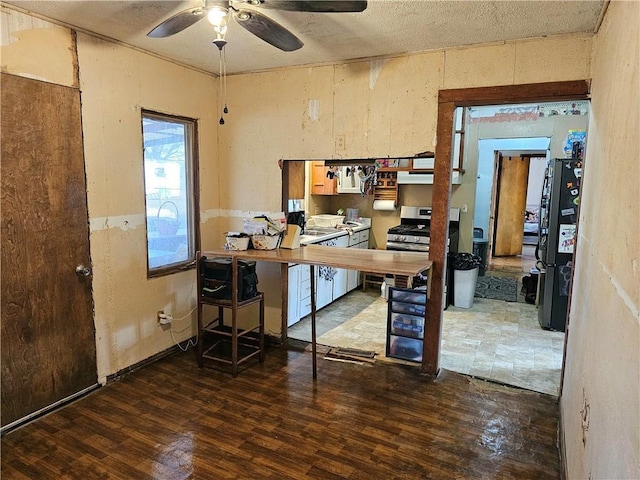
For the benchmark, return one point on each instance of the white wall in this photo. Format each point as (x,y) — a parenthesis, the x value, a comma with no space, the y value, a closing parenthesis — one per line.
(37,49)
(600,404)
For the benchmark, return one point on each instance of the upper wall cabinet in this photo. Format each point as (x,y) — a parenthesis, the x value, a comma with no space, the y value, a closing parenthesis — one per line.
(322,183)
(349,180)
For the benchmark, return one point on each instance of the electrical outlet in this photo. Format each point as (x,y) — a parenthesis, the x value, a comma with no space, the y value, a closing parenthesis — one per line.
(340,142)
(164,318)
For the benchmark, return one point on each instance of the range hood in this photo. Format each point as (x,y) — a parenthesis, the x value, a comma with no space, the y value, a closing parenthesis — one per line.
(420,177)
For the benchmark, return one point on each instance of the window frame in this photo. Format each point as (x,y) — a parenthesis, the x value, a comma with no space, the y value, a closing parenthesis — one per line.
(192,191)
(457,142)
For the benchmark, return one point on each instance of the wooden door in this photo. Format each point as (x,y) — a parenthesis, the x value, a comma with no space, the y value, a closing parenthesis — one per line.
(511,197)
(48,338)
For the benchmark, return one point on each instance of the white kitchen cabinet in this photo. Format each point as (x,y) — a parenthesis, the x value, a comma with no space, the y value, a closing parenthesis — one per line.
(339,287)
(353,278)
(357,240)
(349,180)
(293,310)
(324,286)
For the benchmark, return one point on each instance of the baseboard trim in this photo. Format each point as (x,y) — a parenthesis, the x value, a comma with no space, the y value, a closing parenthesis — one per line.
(109,379)
(562,445)
(21,422)
(146,362)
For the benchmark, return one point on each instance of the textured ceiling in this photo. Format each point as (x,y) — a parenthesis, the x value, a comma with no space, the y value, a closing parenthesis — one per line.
(385,28)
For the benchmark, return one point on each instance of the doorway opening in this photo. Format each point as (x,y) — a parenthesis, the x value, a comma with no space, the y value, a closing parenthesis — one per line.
(503,341)
(507,202)
(514,212)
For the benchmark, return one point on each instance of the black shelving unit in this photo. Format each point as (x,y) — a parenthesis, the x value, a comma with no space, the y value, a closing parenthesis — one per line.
(405,323)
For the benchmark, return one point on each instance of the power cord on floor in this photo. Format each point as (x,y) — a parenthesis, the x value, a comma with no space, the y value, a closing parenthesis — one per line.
(190,342)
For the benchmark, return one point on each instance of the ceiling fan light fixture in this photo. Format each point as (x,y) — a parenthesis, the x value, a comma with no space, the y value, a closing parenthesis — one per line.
(218,16)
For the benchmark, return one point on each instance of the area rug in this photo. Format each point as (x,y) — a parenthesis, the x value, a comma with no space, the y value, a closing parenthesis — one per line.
(497,288)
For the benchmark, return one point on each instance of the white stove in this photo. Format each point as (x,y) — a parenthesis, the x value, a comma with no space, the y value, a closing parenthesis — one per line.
(414,230)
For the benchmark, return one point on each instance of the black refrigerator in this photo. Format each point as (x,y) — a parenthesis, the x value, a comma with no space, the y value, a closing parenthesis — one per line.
(556,240)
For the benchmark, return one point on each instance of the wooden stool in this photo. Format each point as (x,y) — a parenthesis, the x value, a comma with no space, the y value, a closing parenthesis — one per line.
(371,279)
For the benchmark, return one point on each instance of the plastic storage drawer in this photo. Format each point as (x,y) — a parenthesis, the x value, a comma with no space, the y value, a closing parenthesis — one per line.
(407,325)
(405,348)
(406,295)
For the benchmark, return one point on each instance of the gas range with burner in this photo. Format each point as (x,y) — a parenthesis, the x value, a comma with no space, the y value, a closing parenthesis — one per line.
(414,230)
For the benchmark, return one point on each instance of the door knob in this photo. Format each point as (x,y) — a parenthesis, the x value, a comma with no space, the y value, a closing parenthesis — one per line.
(83,271)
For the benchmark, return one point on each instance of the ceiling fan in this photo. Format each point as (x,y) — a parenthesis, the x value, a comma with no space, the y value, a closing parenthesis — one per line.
(218,12)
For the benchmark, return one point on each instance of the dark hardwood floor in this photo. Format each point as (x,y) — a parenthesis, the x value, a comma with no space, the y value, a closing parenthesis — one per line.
(170,420)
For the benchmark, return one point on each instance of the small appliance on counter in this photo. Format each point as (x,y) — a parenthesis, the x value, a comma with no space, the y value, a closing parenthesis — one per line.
(353,215)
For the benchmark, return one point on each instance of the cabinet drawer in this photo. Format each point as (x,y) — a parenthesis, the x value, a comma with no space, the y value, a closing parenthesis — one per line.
(364,235)
(305,275)
(305,307)
(354,239)
(305,288)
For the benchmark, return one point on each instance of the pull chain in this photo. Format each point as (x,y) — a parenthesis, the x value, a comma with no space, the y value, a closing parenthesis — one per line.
(221,82)
(224,66)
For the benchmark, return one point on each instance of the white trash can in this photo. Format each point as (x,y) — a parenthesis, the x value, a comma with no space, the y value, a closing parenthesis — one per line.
(464,287)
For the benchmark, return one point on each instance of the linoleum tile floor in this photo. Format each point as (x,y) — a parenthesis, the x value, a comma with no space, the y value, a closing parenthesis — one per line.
(494,340)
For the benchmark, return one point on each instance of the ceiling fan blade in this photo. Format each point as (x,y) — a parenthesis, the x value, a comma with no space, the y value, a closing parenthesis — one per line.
(320,6)
(268,30)
(178,22)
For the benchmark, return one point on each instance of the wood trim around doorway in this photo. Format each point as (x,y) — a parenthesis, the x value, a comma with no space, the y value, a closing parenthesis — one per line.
(448,100)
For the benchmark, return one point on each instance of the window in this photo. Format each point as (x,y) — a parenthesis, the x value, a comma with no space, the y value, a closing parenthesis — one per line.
(170,192)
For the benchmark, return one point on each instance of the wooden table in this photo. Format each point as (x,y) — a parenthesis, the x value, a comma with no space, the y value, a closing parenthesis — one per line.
(382,262)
